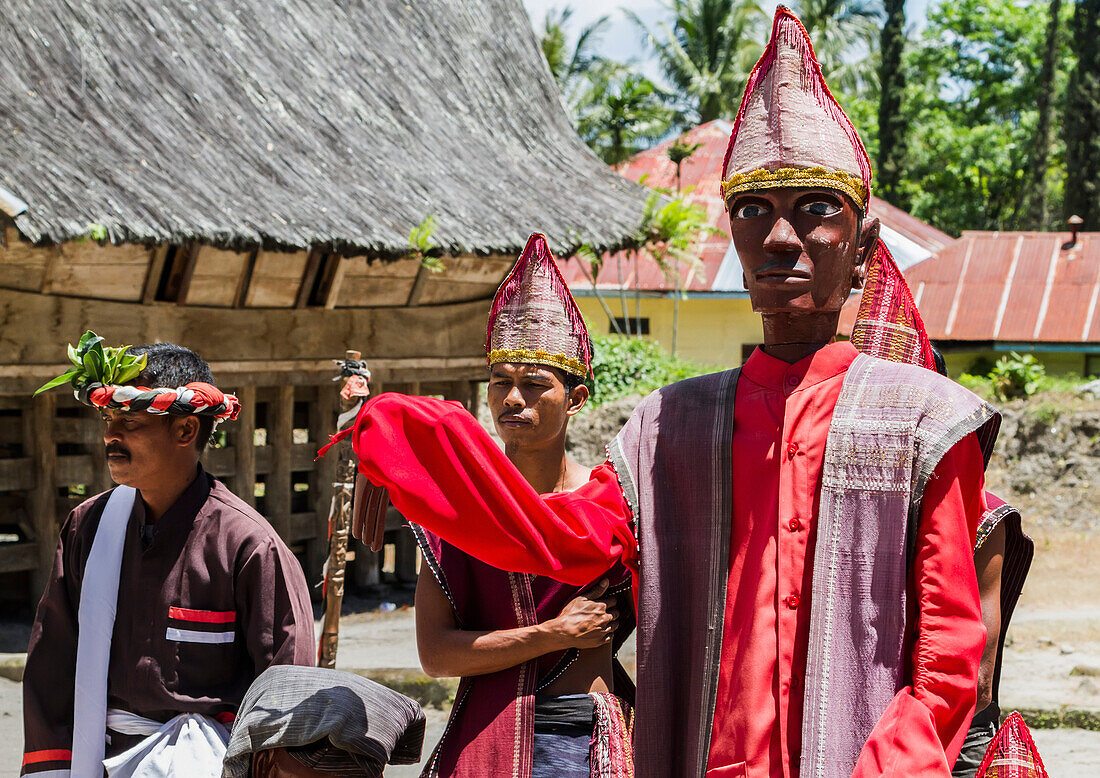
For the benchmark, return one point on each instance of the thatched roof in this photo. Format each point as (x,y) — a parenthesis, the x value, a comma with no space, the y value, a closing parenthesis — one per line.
(294,123)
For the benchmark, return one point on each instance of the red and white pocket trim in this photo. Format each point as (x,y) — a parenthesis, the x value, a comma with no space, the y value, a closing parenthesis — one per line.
(187,625)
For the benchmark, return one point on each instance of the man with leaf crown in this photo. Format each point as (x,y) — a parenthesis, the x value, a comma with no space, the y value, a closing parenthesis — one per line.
(798,528)
(169,595)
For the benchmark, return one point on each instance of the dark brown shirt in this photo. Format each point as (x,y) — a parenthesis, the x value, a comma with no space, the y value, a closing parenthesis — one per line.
(208,604)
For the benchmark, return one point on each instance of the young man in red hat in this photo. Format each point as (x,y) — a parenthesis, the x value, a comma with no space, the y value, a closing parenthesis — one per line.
(542,695)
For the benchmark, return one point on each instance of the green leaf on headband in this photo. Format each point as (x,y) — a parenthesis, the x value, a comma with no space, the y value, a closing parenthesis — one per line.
(95,363)
(131,368)
(61,379)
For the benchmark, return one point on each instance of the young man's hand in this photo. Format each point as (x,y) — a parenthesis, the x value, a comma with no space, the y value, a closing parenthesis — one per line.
(587,621)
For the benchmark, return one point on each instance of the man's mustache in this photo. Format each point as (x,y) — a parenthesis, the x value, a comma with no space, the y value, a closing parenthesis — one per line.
(118,449)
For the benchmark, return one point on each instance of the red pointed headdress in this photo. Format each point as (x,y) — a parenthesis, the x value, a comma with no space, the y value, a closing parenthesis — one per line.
(534,318)
(888,324)
(1012,753)
(790,131)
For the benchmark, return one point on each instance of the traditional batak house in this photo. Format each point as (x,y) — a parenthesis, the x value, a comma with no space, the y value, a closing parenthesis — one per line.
(242,177)
(715,320)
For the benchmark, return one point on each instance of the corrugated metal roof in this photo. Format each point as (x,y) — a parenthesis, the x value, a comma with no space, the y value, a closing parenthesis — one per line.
(1012,287)
(910,240)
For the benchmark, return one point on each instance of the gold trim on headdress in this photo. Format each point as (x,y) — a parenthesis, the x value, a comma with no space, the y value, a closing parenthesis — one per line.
(818,177)
(538,357)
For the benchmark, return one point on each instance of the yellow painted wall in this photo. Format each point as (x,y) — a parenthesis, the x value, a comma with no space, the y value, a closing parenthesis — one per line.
(1055,362)
(711,330)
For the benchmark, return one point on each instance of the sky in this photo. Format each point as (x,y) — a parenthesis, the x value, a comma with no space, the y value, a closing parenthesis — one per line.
(623,42)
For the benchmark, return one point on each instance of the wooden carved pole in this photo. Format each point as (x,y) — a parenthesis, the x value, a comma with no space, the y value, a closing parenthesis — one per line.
(354,390)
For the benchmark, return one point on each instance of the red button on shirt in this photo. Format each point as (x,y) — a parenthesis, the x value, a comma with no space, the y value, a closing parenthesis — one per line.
(794,525)
(791,600)
(792,449)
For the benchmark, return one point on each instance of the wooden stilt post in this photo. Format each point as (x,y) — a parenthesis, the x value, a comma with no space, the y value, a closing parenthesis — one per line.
(38,432)
(244,452)
(280,438)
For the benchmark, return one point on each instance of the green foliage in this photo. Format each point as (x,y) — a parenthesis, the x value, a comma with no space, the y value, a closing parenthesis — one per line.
(1016,376)
(845,34)
(972,90)
(421,242)
(570,63)
(707,51)
(95,363)
(979,384)
(626,366)
(95,231)
(619,112)
(669,231)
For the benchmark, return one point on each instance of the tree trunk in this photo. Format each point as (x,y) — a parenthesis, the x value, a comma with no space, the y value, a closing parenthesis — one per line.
(1082,125)
(1031,209)
(891,123)
(622,291)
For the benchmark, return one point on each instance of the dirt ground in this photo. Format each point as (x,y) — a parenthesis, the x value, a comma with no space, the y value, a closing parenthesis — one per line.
(1056,632)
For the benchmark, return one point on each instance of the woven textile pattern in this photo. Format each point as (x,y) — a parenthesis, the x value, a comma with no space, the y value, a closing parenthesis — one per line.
(1012,753)
(790,122)
(612,754)
(534,319)
(888,324)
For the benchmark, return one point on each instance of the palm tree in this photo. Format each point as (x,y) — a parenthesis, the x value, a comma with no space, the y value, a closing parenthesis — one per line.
(569,64)
(708,51)
(620,112)
(844,34)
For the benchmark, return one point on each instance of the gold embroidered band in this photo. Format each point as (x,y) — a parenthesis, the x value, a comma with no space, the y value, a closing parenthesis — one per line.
(538,357)
(850,185)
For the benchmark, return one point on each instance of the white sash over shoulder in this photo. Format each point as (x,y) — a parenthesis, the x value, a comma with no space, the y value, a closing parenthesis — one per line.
(96,620)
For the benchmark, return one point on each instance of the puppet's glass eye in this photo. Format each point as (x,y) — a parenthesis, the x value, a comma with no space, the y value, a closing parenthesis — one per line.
(821,208)
(750,211)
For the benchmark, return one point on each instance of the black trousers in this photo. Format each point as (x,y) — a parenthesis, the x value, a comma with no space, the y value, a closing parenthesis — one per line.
(563,736)
(982,729)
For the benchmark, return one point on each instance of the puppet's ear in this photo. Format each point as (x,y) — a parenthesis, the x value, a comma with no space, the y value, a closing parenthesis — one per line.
(868,243)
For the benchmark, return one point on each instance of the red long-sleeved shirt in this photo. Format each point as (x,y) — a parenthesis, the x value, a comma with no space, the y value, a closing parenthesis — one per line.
(444,472)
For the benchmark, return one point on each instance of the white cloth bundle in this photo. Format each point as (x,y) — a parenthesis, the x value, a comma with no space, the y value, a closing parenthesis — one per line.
(187,745)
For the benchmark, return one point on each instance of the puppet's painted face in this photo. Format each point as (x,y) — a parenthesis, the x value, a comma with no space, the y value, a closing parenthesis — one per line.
(531,404)
(144,448)
(800,249)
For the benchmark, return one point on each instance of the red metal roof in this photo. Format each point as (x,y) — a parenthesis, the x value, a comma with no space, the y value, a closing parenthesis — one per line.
(1013,287)
(700,178)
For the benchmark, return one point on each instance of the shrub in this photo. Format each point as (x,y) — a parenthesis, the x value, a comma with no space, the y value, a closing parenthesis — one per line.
(625,366)
(1017,376)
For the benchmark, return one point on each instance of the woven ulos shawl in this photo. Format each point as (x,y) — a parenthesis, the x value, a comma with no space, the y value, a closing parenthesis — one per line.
(888,324)
(1012,753)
